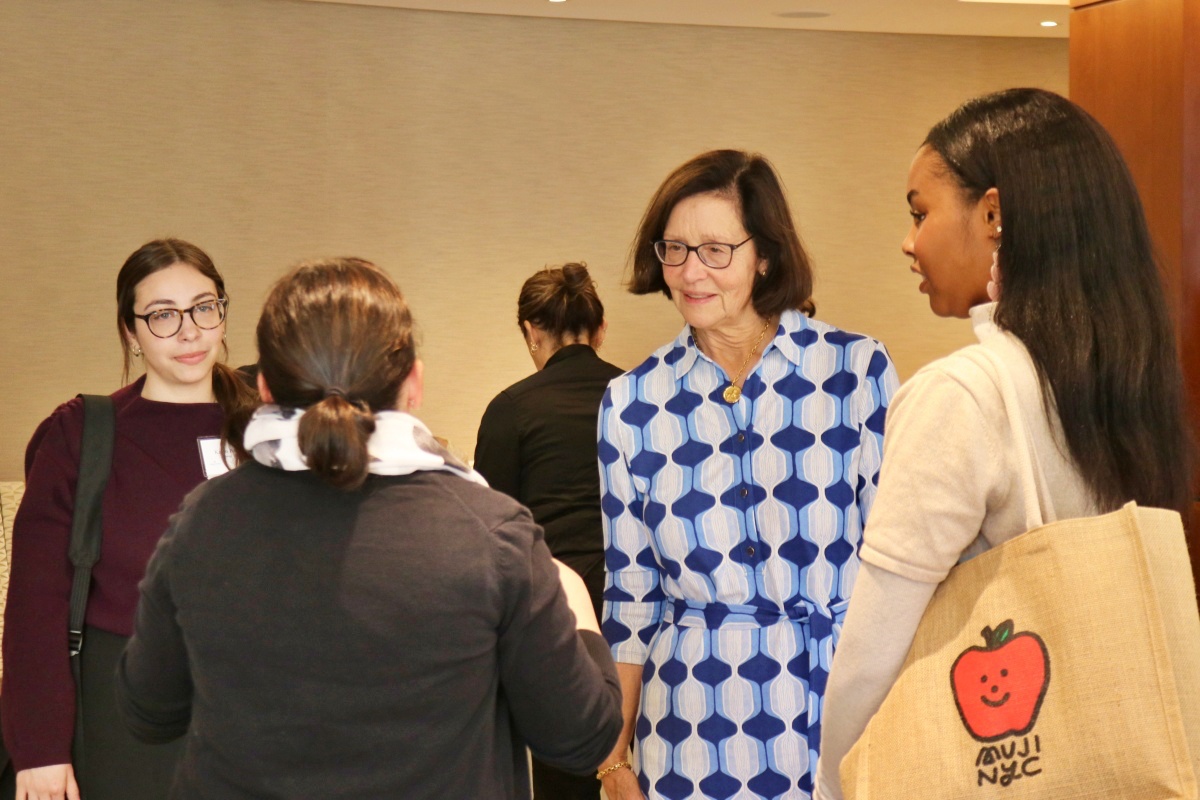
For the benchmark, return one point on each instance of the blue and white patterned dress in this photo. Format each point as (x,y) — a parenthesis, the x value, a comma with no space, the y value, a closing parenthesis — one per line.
(731,539)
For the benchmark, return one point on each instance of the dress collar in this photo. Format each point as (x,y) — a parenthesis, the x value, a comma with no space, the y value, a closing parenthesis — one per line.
(789,339)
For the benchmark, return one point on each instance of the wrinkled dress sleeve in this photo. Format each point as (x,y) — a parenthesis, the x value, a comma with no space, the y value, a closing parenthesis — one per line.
(876,396)
(633,597)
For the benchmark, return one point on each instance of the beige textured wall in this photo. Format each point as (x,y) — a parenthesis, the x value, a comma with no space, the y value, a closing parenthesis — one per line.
(461,152)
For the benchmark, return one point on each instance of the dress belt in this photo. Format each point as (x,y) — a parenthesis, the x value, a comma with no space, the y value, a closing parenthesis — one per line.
(819,631)
(817,622)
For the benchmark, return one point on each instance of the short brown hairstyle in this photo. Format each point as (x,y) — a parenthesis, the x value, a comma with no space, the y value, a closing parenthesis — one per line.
(753,183)
(561,301)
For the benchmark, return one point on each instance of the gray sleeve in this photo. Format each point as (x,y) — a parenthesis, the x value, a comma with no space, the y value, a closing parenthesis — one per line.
(561,684)
(154,684)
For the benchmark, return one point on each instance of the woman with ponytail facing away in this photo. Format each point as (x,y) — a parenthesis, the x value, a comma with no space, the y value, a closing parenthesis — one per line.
(352,612)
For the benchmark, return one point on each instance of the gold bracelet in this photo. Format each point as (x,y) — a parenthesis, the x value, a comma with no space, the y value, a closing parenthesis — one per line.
(611,769)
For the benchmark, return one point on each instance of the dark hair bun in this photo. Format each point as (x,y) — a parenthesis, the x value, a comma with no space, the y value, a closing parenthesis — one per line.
(575,278)
(562,301)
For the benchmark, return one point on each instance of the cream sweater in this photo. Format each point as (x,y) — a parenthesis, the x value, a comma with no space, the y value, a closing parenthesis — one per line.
(949,489)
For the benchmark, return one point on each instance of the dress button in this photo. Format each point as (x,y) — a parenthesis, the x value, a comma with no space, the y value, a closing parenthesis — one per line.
(741,437)
(745,492)
(749,549)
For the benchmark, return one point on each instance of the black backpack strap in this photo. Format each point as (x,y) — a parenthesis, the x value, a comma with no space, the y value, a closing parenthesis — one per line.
(95,462)
(87,529)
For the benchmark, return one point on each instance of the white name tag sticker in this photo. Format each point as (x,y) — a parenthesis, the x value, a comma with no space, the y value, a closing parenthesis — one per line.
(210,456)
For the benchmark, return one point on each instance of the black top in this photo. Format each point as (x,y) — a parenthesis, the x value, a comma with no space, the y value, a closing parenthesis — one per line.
(537,444)
(403,640)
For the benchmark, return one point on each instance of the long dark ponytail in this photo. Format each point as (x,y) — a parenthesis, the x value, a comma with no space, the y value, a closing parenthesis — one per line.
(336,339)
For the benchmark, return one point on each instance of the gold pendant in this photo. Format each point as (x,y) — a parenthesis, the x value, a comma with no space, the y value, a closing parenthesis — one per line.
(732,394)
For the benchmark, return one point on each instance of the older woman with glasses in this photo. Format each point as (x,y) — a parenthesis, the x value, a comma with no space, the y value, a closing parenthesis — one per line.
(737,467)
(170,316)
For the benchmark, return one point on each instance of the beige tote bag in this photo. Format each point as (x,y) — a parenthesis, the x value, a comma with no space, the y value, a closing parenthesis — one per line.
(1064,663)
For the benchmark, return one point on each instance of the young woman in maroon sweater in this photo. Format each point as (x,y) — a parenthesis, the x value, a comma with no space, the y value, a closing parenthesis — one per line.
(171,305)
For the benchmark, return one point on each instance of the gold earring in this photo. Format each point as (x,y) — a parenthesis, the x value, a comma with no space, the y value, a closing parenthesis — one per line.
(533,348)
(137,351)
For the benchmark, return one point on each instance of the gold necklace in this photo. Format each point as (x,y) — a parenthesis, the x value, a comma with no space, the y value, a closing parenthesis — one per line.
(733,392)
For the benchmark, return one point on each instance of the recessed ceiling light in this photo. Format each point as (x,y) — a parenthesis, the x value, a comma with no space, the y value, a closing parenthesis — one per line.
(1049,24)
(802,14)
(558,1)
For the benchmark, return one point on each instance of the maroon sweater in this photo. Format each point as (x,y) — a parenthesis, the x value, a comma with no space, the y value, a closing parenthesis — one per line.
(156,461)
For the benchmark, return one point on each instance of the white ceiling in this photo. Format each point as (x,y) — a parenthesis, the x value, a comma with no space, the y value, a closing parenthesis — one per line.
(949,17)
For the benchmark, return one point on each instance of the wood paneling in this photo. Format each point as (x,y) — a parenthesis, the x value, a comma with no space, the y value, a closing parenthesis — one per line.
(1126,69)
(1189,277)
(1135,67)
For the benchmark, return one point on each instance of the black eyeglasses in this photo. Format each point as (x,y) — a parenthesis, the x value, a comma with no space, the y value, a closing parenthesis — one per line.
(166,322)
(714,255)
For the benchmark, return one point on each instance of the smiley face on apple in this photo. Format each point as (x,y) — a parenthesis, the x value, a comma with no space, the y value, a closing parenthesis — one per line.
(999,688)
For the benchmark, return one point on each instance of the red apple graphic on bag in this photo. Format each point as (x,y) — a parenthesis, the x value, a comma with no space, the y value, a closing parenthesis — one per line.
(998,688)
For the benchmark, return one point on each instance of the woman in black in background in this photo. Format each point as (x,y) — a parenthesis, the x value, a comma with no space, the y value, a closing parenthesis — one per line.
(537,443)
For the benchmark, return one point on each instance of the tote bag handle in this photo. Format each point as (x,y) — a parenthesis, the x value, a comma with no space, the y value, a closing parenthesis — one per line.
(1029,469)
